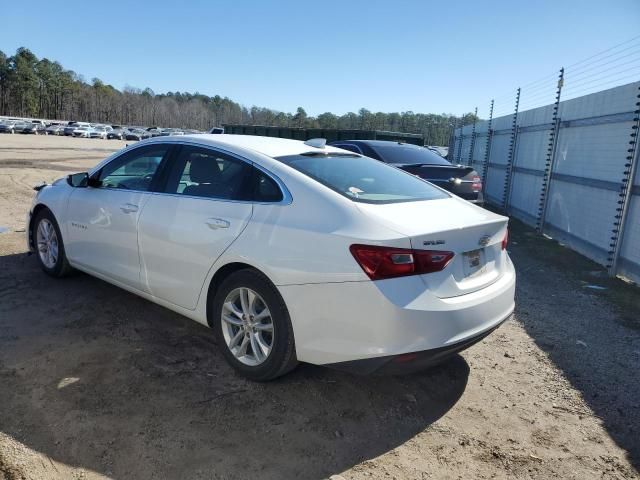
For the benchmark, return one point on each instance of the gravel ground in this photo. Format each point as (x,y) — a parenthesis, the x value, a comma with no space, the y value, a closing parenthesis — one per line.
(98,383)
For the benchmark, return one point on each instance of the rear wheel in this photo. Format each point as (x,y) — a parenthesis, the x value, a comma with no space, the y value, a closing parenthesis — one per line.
(49,246)
(253,326)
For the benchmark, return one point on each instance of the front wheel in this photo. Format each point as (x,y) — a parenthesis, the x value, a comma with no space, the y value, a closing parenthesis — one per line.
(252,323)
(49,246)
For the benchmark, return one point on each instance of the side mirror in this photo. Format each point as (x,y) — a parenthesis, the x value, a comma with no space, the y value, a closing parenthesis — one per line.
(78,179)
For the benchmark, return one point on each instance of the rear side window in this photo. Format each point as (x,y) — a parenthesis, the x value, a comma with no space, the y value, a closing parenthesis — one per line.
(265,189)
(207,173)
(203,172)
(363,179)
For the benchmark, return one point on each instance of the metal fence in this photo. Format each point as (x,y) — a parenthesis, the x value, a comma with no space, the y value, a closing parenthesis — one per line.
(567,168)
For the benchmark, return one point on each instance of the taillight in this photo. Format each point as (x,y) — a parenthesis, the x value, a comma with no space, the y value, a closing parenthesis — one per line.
(505,240)
(476,186)
(389,262)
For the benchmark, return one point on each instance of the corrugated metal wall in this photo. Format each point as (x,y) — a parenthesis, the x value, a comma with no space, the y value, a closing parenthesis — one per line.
(588,165)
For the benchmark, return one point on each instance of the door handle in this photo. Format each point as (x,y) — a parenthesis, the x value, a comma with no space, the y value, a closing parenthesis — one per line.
(128,207)
(216,223)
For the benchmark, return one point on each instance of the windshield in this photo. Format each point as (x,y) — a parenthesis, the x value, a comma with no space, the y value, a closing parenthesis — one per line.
(408,154)
(363,179)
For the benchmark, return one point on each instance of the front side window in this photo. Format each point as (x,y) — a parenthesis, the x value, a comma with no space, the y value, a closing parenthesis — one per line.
(363,179)
(202,172)
(134,170)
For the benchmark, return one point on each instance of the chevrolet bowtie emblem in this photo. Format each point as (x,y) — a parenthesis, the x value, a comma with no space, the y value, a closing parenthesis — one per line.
(484,240)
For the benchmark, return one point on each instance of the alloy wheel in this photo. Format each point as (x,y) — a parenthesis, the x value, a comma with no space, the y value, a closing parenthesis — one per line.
(47,242)
(247,326)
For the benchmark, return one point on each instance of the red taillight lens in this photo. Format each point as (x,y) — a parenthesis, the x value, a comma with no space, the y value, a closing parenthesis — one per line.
(476,186)
(505,240)
(388,262)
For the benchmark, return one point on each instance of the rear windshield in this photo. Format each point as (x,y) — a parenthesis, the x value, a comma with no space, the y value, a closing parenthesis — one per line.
(408,154)
(363,179)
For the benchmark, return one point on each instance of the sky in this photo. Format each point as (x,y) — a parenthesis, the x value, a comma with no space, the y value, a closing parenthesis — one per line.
(338,56)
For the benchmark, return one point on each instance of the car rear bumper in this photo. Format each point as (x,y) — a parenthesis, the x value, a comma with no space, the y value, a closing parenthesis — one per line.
(349,321)
(409,362)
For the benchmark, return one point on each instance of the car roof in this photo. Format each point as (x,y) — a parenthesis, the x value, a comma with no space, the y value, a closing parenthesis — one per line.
(264,150)
(269,146)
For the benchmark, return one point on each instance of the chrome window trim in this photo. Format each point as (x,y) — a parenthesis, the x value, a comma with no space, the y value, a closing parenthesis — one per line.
(287,198)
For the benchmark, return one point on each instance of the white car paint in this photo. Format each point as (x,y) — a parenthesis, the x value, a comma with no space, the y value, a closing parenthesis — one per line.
(165,250)
(100,236)
(164,223)
(99,132)
(82,131)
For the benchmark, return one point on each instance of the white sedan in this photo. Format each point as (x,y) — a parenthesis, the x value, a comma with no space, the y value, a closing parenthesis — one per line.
(99,132)
(290,251)
(82,132)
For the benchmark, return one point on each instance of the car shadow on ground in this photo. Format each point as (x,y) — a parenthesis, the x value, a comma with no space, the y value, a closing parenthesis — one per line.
(95,377)
(583,331)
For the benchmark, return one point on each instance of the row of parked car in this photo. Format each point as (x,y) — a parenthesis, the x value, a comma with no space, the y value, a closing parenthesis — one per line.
(87,130)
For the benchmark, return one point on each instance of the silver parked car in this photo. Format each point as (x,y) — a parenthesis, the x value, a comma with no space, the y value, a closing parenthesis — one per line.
(99,132)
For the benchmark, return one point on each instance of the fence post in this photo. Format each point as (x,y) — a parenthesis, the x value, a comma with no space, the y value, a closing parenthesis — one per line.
(629,174)
(512,144)
(473,137)
(551,155)
(452,142)
(460,144)
(507,198)
(487,150)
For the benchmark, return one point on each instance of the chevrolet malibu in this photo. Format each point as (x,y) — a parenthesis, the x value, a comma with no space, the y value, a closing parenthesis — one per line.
(290,251)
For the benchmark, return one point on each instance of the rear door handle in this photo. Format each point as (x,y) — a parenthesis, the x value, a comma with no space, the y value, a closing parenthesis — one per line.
(216,223)
(129,207)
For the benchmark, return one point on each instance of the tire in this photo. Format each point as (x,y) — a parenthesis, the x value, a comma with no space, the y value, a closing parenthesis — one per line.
(281,357)
(54,262)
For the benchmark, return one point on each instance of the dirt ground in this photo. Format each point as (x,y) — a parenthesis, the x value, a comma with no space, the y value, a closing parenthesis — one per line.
(98,383)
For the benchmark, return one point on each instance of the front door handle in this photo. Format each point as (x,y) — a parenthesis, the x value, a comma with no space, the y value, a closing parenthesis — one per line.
(128,207)
(216,223)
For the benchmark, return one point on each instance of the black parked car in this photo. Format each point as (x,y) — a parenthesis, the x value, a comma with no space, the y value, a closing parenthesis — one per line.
(458,179)
(35,128)
(154,131)
(137,134)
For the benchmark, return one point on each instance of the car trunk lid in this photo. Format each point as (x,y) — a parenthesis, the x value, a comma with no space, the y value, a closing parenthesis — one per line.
(459,179)
(473,234)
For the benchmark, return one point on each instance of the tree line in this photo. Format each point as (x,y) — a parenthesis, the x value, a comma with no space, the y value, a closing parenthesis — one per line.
(41,88)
